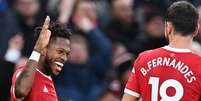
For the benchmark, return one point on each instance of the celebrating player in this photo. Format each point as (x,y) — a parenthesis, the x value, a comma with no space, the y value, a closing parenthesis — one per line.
(32,82)
(173,72)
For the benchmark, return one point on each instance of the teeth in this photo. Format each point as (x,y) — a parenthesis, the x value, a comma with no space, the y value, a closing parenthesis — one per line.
(59,68)
(60,64)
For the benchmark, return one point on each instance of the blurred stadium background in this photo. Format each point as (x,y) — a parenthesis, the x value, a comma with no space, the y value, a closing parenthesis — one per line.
(107,37)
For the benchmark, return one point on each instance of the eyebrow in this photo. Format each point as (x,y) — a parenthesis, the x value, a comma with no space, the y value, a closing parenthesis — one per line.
(68,50)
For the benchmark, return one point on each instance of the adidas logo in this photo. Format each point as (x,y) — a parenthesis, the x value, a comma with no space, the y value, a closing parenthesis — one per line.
(45,89)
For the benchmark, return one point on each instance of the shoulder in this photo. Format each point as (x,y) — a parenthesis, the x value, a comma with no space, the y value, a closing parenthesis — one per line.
(195,60)
(143,57)
(150,53)
(17,72)
(19,68)
(196,56)
(15,76)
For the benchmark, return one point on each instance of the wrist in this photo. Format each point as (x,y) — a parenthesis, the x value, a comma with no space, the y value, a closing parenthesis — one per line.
(37,49)
(35,55)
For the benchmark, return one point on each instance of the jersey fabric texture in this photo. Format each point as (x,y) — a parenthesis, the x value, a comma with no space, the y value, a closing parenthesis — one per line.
(166,74)
(42,88)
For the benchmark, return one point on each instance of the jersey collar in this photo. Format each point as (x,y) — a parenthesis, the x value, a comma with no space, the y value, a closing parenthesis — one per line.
(180,50)
(49,77)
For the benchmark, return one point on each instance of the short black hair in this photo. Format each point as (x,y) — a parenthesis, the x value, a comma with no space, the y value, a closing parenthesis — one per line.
(57,30)
(184,17)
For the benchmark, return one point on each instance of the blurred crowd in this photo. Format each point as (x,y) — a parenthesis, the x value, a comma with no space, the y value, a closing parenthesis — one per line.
(107,37)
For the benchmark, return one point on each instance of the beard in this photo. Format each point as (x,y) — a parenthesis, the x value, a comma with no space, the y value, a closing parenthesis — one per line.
(47,65)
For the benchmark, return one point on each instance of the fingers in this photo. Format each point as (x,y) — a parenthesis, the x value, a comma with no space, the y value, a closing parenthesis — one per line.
(46,23)
(48,34)
(16,42)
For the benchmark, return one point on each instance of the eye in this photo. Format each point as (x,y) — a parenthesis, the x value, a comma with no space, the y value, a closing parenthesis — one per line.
(59,51)
(67,54)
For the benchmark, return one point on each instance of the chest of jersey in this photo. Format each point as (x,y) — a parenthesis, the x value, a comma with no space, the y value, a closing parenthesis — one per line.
(42,89)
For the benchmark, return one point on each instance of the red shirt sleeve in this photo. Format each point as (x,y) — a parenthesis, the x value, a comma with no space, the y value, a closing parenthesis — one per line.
(15,76)
(132,86)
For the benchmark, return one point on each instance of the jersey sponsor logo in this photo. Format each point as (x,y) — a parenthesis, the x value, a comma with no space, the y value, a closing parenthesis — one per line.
(45,90)
(133,70)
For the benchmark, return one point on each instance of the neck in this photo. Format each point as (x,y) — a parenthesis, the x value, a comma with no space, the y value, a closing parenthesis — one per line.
(183,42)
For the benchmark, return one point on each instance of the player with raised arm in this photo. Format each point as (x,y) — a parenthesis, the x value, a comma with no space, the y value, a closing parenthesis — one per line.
(173,72)
(32,82)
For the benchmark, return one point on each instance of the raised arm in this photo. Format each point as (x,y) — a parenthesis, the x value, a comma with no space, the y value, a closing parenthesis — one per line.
(25,80)
(101,56)
(65,10)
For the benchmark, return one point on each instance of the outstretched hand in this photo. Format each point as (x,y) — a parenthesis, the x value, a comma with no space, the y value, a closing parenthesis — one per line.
(16,42)
(44,36)
(84,23)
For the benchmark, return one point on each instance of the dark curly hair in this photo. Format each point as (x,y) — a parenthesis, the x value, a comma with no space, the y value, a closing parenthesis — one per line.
(57,30)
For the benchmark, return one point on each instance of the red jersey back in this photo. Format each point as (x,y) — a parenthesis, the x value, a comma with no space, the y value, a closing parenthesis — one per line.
(42,88)
(166,74)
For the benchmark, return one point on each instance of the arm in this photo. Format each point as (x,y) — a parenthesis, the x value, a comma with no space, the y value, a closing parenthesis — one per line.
(65,10)
(99,42)
(128,97)
(100,60)
(13,53)
(132,88)
(25,80)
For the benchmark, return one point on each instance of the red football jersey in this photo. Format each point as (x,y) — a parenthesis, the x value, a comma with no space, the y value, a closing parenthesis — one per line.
(42,88)
(166,74)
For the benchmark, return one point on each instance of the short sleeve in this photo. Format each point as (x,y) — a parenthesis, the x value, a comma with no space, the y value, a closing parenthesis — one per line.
(15,76)
(132,86)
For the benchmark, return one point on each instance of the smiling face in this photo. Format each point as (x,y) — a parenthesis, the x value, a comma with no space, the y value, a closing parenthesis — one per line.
(57,54)
(122,10)
(155,27)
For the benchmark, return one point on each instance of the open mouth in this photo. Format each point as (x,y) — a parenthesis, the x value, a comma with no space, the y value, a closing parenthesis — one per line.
(59,65)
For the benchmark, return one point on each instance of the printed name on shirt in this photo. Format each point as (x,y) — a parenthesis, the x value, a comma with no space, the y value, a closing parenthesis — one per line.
(169,62)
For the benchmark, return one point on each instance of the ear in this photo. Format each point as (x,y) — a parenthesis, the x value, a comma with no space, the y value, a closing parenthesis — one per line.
(169,29)
(196,31)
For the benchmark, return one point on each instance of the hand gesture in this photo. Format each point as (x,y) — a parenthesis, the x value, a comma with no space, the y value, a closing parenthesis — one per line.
(84,23)
(44,36)
(16,42)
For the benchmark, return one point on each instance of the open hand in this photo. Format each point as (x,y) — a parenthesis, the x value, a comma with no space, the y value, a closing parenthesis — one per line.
(84,23)
(16,42)
(44,36)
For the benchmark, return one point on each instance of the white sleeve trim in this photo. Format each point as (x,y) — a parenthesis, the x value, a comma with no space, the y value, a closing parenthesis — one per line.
(130,92)
(13,89)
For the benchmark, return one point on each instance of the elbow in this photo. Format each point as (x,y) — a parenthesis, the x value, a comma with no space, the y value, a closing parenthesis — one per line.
(107,51)
(20,92)
(106,48)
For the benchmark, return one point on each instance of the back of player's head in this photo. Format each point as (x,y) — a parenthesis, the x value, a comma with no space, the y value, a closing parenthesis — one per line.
(56,29)
(184,17)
